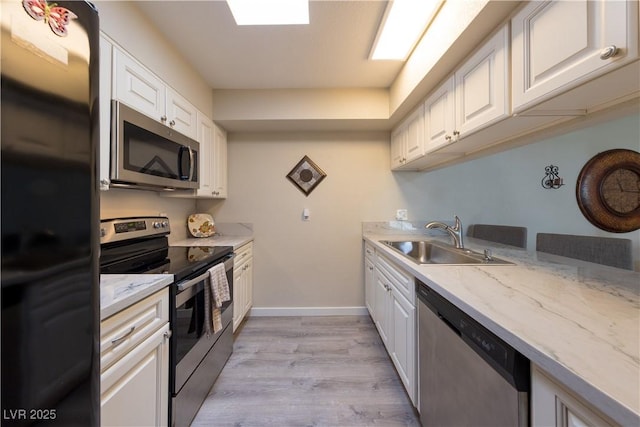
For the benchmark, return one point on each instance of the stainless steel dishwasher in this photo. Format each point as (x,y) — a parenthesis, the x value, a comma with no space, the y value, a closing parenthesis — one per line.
(468,376)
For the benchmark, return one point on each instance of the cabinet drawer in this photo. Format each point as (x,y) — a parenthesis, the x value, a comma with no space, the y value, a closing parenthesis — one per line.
(400,279)
(126,329)
(243,253)
(369,251)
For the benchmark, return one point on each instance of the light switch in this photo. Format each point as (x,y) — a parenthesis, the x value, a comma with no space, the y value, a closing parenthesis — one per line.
(306,214)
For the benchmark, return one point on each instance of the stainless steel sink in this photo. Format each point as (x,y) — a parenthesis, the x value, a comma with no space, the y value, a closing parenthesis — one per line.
(430,252)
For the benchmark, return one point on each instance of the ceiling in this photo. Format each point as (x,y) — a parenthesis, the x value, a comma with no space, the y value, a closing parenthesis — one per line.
(331,52)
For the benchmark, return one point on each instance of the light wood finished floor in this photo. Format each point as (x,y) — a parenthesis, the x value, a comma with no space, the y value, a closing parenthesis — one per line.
(308,371)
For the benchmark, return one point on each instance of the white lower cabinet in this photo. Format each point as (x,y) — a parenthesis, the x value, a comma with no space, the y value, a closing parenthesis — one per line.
(242,283)
(134,364)
(394,315)
(369,278)
(552,405)
(381,316)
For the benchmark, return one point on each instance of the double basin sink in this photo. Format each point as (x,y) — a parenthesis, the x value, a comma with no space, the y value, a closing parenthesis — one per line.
(431,252)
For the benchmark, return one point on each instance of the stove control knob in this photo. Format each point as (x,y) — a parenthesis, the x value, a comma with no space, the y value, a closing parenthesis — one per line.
(165,224)
(156,224)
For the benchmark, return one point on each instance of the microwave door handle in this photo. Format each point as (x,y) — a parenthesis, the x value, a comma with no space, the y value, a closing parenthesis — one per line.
(191,164)
(181,151)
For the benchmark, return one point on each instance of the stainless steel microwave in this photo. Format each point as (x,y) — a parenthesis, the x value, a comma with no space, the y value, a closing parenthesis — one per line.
(148,154)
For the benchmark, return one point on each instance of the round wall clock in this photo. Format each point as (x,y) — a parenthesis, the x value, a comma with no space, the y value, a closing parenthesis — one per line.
(608,190)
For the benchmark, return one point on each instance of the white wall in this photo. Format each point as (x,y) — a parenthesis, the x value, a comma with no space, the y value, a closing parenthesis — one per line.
(315,263)
(319,263)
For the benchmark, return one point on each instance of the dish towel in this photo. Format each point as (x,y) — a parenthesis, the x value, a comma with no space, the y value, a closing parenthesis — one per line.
(216,291)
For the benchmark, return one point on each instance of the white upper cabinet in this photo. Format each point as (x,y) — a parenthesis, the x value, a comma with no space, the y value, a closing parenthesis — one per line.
(558,45)
(398,147)
(205,164)
(407,141)
(474,97)
(181,114)
(482,86)
(142,90)
(439,116)
(219,163)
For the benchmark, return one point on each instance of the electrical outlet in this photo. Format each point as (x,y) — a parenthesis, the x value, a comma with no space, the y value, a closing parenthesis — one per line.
(401,215)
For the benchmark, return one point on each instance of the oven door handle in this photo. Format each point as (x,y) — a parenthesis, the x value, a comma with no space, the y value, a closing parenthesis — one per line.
(189,283)
(228,265)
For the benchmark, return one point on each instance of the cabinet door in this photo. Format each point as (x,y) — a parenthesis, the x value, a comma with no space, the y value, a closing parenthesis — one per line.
(219,163)
(369,283)
(482,86)
(248,287)
(415,135)
(439,116)
(398,147)
(205,138)
(135,390)
(181,115)
(557,45)
(239,295)
(137,87)
(552,405)
(382,303)
(404,341)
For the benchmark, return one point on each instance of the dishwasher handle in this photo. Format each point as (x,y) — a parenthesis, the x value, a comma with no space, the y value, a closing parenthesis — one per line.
(449,324)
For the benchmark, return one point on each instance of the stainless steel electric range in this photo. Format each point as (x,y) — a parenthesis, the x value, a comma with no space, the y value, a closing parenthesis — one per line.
(139,245)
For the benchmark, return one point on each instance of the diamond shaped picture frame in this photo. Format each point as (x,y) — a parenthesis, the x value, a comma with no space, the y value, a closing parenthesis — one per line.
(306,175)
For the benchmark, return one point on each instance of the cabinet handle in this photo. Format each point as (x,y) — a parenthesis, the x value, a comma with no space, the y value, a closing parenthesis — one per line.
(118,341)
(448,138)
(104,182)
(456,133)
(163,119)
(609,52)
(172,123)
(168,334)
(370,268)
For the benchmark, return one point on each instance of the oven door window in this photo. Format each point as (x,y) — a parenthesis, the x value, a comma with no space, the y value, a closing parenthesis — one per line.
(189,322)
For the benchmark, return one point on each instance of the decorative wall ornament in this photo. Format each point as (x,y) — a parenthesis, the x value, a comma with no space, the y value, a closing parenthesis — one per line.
(306,175)
(552,179)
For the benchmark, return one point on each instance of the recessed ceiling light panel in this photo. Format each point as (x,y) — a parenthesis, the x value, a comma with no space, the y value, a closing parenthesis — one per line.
(270,12)
(403,24)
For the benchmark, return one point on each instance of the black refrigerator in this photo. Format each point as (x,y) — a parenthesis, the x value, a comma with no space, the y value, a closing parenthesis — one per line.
(50,213)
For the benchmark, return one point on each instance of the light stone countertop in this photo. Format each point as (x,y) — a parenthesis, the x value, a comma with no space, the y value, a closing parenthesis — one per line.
(227,234)
(579,321)
(119,291)
(235,241)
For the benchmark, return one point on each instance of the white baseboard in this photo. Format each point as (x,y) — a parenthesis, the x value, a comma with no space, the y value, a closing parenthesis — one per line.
(308,311)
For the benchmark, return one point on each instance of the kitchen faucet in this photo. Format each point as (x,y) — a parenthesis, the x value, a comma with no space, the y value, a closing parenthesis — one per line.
(455,232)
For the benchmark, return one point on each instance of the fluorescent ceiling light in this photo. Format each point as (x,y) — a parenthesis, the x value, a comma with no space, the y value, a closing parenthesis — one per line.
(403,24)
(270,12)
